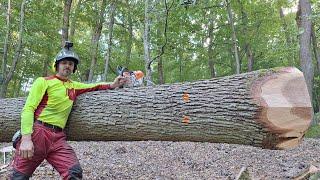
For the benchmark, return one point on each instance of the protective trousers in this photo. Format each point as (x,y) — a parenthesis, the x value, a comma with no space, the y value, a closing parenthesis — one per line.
(51,145)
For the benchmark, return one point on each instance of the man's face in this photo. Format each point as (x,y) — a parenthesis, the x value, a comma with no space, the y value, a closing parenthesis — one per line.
(65,68)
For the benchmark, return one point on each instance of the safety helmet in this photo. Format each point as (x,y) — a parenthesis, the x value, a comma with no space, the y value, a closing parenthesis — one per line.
(67,53)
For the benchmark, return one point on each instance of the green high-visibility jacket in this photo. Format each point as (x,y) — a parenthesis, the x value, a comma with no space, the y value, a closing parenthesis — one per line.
(50,100)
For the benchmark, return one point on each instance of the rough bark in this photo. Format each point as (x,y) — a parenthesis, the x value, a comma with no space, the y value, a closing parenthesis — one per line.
(257,108)
(110,36)
(17,53)
(95,39)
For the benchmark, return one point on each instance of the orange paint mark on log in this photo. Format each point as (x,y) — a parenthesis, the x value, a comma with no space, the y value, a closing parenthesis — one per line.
(186,119)
(185,97)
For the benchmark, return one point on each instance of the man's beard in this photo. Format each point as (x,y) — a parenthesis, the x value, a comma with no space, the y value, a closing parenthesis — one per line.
(67,72)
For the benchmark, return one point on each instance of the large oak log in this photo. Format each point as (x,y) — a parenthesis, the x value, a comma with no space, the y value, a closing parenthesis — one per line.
(265,108)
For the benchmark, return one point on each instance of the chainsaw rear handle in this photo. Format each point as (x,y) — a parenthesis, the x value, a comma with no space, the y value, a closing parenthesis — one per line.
(135,77)
(121,70)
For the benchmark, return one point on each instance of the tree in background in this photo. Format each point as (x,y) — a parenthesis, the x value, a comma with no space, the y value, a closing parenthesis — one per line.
(107,54)
(96,34)
(65,24)
(8,75)
(305,25)
(6,45)
(185,42)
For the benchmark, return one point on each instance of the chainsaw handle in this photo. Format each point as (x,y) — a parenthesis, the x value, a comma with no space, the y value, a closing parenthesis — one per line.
(121,70)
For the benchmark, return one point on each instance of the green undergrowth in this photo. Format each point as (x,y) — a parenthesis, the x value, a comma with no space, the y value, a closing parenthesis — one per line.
(314,131)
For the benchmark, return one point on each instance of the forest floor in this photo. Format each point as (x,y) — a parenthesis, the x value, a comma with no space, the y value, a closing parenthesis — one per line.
(185,160)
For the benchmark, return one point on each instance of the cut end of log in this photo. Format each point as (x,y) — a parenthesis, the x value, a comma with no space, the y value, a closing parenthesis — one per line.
(286,109)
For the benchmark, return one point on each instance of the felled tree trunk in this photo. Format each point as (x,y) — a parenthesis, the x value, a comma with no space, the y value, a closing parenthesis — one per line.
(266,108)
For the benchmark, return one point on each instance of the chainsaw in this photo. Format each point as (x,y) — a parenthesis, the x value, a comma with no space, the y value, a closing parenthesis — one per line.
(134,78)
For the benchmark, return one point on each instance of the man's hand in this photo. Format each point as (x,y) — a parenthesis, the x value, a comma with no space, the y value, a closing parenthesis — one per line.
(26,149)
(118,82)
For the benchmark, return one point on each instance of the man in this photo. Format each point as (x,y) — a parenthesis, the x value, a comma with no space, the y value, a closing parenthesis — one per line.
(44,117)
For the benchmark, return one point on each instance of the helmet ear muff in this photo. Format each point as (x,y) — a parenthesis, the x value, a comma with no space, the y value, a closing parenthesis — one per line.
(75,68)
(54,67)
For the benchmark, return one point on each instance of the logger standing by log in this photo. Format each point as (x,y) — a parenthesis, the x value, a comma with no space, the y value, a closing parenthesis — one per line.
(44,117)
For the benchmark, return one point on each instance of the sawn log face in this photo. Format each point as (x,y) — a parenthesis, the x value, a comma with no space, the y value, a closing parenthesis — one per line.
(231,109)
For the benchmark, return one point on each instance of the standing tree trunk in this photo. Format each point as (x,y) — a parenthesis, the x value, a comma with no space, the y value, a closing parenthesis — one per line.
(146,42)
(66,15)
(304,24)
(110,36)
(257,108)
(179,58)
(17,88)
(161,79)
(234,38)
(247,46)
(160,63)
(317,57)
(315,48)
(46,64)
(130,31)
(17,53)
(250,56)
(5,48)
(161,52)
(288,39)
(95,39)
(74,20)
(210,49)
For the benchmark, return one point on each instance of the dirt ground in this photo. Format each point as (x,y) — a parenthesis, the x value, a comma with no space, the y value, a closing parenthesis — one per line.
(185,160)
